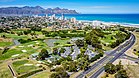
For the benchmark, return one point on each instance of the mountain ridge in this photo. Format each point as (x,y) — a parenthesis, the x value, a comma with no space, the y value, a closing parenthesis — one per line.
(35,10)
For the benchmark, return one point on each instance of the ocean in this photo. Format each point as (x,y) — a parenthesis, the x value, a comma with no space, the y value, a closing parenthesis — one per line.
(116,18)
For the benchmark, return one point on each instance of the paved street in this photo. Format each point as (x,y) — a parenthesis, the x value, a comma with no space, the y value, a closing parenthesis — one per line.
(98,67)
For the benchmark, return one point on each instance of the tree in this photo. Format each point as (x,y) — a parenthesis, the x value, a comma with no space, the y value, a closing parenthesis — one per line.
(62,50)
(72,66)
(3,36)
(60,73)
(121,74)
(119,66)
(79,42)
(110,68)
(36,28)
(43,54)
(54,75)
(55,51)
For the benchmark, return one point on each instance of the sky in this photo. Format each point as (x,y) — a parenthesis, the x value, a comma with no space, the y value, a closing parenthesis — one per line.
(81,6)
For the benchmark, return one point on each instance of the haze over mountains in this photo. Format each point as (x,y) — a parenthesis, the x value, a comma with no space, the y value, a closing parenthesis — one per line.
(35,10)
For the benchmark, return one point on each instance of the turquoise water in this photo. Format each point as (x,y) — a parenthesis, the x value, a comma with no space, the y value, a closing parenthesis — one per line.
(119,18)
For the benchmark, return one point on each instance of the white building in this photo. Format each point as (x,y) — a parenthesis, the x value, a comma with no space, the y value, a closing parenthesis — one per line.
(62,17)
(97,23)
(46,15)
(73,20)
(53,17)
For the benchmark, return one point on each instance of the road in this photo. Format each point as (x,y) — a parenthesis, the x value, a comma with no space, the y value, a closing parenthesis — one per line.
(124,56)
(98,67)
(12,71)
(15,43)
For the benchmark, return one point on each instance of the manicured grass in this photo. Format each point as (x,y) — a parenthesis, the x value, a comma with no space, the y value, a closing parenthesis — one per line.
(20,68)
(13,36)
(62,41)
(45,74)
(19,63)
(39,33)
(47,29)
(4,44)
(25,69)
(108,39)
(9,53)
(30,50)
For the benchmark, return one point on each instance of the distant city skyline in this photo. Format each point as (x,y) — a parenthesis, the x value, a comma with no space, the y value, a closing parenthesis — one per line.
(84,7)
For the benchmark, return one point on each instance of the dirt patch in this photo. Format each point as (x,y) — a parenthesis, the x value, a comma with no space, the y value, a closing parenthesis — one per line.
(124,62)
(133,71)
(5,40)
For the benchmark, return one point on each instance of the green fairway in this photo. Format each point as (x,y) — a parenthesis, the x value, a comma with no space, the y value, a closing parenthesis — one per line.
(14,36)
(44,74)
(21,68)
(19,63)
(62,41)
(108,39)
(9,53)
(30,48)
(25,69)
(4,44)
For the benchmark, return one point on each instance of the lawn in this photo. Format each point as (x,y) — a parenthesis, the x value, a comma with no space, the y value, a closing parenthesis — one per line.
(30,49)
(21,68)
(62,41)
(19,63)
(13,36)
(25,69)
(4,44)
(109,39)
(44,74)
(47,29)
(9,53)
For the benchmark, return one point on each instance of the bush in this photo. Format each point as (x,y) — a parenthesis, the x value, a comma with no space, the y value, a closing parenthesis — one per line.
(110,68)
(121,74)
(5,50)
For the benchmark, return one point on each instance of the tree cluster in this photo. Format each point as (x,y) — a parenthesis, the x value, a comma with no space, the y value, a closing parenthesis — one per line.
(60,72)
(116,69)
(92,38)
(63,34)
(121,37)
(43,54)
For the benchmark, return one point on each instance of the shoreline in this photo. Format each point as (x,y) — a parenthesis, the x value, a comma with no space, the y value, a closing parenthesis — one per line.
(125,24)
(118,23)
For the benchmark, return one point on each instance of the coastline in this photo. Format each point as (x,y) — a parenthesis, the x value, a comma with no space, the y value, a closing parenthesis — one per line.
(93,17)
(118,23)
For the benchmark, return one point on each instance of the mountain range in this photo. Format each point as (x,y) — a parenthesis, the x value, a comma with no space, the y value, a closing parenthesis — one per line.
(35,10)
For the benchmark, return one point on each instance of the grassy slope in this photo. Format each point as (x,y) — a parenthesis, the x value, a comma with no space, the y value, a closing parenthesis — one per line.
(4,44)
(21,69)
